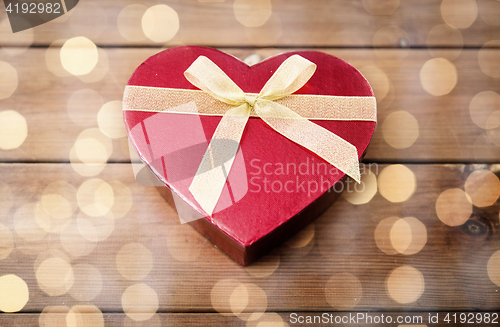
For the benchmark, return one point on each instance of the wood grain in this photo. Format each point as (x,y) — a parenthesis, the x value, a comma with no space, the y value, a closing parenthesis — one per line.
(275,319)
(140,243)
(185,270)
(321,23)
(446,130)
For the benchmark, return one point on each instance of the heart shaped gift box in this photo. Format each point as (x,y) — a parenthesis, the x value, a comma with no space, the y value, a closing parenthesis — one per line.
(255,152)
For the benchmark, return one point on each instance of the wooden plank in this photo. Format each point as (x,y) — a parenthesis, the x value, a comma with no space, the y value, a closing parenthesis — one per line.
(147,251)
(296,23)
(445,132)
(280,319)
(57,319)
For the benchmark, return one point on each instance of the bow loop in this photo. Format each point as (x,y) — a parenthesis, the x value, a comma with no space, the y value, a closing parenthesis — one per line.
(288,78)
(208,77)
(293,73)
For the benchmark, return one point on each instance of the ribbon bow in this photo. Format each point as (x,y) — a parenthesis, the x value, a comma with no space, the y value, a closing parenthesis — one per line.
(293,73)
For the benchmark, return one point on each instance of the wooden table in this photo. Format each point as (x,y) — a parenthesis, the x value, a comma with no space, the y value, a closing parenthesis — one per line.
(83,244)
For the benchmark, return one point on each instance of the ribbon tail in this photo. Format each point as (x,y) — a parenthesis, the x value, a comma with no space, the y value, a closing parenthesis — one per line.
(332,148)
(209,181)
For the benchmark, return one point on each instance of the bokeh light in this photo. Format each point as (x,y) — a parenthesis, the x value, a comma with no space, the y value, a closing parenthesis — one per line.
(140,302)
(493,120)
(483,188)
(58,199)
(110,120)
(397,183)
(252,13)
(154,321)
(95,197)
(248,302)
(90,151)
(239,299)
(268,319)
(47,222)
(221,293)
(129,22)
(55,276)
(489,11)
(489,57)
(482,106)
(494,132)
(438,76)
(134,261)
(85,315)
(459,13)
(8,80)
(483,147)
(95,229)
(453,207)
(302,238)
(395,235)
(160,23)
(79,55)
(14,293)
(343,291)
(26,226)
(378,81)
(367,191)
(383,235)
(53,316)
(232,298)
(123,199)
(400,235)
(400,129)
(74,243)
(87,282)
(418,236)
(13,129)
(90,161)
(53,58)
(493,268)
(300,244)
(100,70)
(265,266)
(405,284)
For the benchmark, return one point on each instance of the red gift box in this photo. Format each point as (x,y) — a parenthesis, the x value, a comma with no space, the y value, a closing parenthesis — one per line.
(257,188)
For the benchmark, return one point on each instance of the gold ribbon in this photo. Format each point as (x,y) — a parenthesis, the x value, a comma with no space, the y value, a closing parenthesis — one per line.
(200,103)
(271,105)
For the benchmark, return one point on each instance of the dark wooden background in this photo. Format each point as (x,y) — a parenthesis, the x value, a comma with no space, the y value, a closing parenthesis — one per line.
(97,248)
